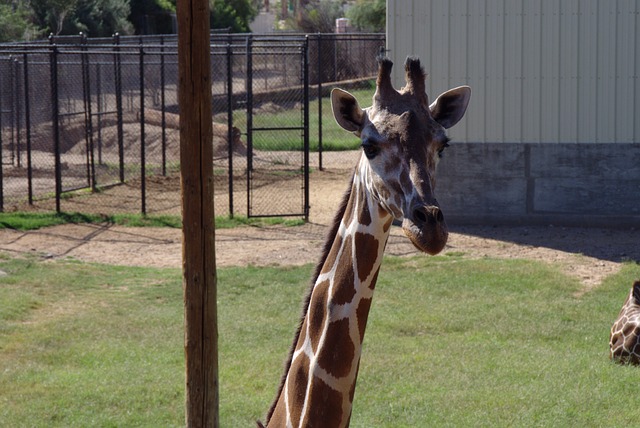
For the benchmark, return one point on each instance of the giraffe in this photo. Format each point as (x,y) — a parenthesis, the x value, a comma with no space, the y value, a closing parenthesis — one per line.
(402,138)
(624,342)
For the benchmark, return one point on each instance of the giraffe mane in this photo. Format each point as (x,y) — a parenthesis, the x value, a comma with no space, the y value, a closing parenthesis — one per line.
(329,238)
(636,291)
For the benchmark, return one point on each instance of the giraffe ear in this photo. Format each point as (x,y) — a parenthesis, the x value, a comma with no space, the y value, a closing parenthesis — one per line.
(346,110)
(636,292)
(450,106)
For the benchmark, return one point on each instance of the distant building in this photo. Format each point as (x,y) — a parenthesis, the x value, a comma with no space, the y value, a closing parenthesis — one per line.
(343,25)
(541,71)
(555,104)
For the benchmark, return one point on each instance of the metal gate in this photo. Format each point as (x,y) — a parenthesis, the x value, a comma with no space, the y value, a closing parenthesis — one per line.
(277,131)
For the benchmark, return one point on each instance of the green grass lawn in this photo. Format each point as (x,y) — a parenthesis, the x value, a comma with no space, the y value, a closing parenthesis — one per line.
(450,342)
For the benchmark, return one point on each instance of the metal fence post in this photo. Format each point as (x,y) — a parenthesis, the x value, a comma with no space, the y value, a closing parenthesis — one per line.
(88,116)
(1,151)
(230,124)
(162,109)
(55,117)
(305,62)
(335,59)
(143,187)
(12,106)
(83,71)
(118,89)
(249,91)
(319,77)
(17,110)
(99,107)
(27,124)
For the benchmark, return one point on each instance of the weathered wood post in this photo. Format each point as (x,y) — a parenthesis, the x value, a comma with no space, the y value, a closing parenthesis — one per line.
(198,228)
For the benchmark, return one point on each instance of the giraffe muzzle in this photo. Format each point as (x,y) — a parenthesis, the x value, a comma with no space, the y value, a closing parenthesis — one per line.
(426,228)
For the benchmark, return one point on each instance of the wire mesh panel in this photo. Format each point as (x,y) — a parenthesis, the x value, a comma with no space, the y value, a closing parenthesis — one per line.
(10,136)
(26,132)
(162,130)
(277,139)
(228,84)
(105,148)
(37,172)
(73,131)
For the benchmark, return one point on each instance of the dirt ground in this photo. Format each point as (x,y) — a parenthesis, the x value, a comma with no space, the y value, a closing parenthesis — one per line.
(588,254)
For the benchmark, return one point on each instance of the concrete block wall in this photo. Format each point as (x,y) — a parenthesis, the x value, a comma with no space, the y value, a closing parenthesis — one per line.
(564,184)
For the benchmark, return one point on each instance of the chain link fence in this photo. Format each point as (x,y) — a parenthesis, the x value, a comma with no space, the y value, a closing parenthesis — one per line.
(92,125)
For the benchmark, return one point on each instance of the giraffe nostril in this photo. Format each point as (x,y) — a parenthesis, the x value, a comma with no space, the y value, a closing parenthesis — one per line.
(419,215)
(439,216)
(429,214)
(433,216)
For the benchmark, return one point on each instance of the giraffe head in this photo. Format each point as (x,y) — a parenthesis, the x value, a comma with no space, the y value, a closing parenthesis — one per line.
(403,137)
(624,342)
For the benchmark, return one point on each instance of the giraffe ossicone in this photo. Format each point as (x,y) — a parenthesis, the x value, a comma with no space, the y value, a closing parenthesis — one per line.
(402,138)
(624,340)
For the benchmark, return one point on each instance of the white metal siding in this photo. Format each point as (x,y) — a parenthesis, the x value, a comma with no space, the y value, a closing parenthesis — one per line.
(540,70)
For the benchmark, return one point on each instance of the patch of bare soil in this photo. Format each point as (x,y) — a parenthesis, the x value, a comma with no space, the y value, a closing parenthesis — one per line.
(588,254)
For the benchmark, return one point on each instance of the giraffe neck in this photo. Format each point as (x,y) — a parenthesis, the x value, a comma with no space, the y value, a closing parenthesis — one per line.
(319,386)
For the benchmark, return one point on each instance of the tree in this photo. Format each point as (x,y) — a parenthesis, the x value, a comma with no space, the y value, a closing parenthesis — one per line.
(15,22)
(99,18)
(318,16)
(152,16)
(50,15)
(369,15)
(96,18)
(233,14)
(311,16)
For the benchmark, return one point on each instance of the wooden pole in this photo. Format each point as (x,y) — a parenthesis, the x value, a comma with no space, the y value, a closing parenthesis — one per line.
(198,228)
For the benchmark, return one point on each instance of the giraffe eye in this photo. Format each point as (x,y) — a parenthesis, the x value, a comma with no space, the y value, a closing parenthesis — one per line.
(442,147)
(370,150)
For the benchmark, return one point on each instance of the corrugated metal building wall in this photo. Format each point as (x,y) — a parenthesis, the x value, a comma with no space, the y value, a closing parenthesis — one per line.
(552,132)
(541,70)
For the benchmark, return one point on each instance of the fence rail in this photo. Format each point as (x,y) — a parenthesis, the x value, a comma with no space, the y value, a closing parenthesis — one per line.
(91,125)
